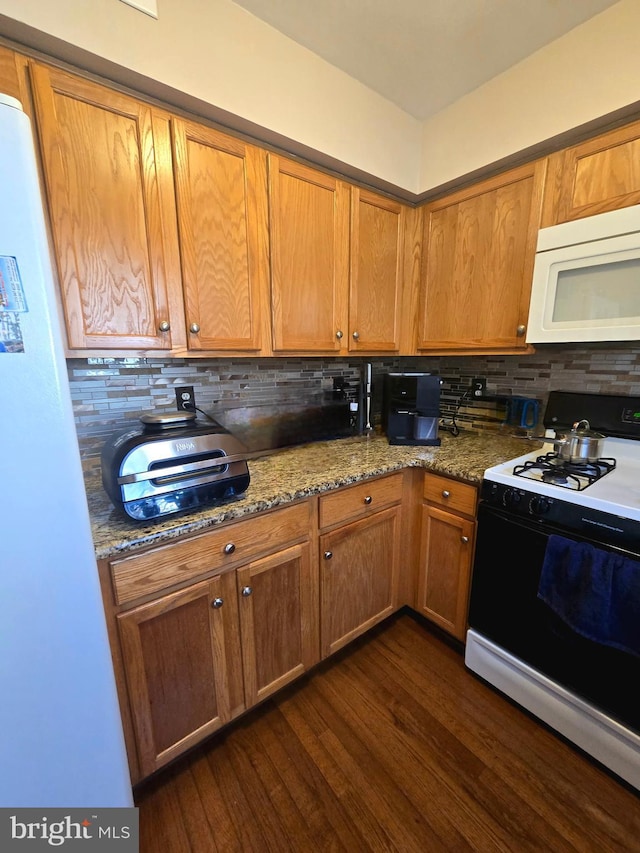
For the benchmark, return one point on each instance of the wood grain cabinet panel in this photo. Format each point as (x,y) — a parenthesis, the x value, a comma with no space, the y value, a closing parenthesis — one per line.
(358,577)
(447,541)
(593,177)
(378,227)
(309,229)
(221,188)
(11,77)
(105,186)
(278,601)
(177,660)
(479,248)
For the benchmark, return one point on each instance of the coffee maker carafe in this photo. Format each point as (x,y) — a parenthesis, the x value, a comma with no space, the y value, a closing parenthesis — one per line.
(411,408)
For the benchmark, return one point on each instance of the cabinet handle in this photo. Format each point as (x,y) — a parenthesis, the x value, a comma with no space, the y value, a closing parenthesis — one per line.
(368,500)
(520,331)
(247,590)
(356,336)
(339,334)
(464,539)
(446,493)
(164,326)
(217,602)
(229,548)
(328,555)
(194,328)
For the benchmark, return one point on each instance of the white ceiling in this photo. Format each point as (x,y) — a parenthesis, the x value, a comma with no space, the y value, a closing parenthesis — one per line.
(424,54)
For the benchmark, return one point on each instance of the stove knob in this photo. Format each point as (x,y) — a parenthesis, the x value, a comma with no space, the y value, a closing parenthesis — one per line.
(510,497)
(539,505)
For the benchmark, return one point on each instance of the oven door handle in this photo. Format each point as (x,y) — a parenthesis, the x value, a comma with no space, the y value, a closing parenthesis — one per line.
(202,466)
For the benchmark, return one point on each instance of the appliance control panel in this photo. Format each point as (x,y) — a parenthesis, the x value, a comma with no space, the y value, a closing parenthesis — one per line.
(563,517)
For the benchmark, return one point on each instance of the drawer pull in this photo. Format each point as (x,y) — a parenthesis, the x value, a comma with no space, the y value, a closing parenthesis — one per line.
(368,500)
(464,539)
(165,326)
(446,493)
(217,602)
(247,590)
(339,334)
(328,555)
(194,328)
(229,548)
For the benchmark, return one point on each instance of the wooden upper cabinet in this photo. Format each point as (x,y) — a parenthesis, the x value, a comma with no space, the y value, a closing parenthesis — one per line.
(114,241)
(376,277)
(593,177)
(221,189)
(309,225)
(479,248)
(11,76)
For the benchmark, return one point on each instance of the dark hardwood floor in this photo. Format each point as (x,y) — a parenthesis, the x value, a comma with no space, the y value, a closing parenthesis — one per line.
(392,745)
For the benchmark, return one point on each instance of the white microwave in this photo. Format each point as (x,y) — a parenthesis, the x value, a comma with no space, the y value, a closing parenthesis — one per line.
(586,280)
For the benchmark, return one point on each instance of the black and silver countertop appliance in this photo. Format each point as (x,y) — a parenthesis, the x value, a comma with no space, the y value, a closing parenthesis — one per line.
(172,462)
(554,616)
(411,408)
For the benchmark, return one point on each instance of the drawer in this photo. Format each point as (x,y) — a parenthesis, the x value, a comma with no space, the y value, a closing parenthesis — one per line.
(357,501)
(450,494)
(229,545)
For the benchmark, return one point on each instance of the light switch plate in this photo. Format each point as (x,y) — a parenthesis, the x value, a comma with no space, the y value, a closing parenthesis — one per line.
(149,7)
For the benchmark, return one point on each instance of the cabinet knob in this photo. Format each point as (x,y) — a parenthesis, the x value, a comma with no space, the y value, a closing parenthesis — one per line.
(229,548)
(446,493)
(194,328)
(356,336)
(520,331)
(339,334)
(247,590)
(217,602)
(328,555)
(464,539)
(368,500)
(164,326)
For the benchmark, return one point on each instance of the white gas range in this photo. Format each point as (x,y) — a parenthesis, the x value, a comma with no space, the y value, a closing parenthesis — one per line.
(554,616)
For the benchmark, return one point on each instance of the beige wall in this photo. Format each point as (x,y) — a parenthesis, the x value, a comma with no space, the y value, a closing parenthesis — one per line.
(588,73)
(216,52)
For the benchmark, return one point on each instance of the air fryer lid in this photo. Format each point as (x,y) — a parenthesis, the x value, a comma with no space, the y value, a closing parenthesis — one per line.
(159,421)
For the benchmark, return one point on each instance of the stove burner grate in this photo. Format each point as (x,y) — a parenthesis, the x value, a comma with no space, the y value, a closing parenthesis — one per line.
(550,468)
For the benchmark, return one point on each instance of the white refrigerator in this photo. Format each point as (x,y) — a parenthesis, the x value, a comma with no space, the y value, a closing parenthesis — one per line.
(61,742)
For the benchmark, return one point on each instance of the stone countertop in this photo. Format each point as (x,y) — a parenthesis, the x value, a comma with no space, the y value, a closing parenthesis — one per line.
(298,472)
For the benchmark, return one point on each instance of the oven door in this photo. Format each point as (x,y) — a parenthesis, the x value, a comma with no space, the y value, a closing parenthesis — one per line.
(505,608)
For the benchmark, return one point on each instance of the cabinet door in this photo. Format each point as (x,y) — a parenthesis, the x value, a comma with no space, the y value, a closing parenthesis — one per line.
(593,177)
(358,577)
(278,618)
(476,278)
(446,553)
(309,227)
(103,185)
(377,261)
(175,653)
(221,187)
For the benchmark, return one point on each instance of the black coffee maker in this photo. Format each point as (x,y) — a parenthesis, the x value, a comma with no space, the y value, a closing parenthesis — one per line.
(411,408)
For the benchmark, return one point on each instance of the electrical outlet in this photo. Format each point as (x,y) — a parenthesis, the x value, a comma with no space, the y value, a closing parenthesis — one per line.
(478,386)
(185,398)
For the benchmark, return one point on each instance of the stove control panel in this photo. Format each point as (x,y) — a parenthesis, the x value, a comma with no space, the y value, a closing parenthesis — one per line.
(563,517)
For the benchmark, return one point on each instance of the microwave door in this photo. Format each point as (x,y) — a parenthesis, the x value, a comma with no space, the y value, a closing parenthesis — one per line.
(587,292)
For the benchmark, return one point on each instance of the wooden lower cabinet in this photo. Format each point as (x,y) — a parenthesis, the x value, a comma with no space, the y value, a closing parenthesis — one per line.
(358,577)
(444,574)
(182,664)
(279,620)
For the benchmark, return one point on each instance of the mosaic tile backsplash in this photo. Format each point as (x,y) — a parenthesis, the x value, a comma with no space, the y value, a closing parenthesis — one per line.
(110,394)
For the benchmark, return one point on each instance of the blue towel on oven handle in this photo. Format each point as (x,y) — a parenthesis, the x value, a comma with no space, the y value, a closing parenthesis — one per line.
(596,592)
